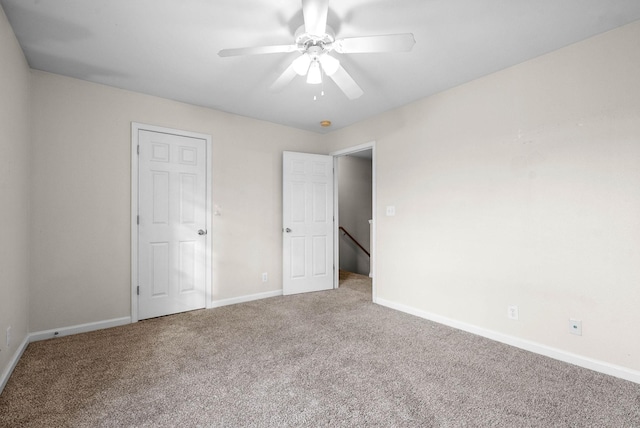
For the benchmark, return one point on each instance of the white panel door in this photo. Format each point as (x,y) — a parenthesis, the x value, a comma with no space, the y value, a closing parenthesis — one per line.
(307,222)
(172,224)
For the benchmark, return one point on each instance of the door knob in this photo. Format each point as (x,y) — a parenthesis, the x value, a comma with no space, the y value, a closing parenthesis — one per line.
(287,230)
(202,232)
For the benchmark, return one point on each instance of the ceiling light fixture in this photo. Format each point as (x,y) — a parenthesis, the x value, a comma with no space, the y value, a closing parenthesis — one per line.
(314,40)
(301,64)
(314,63)
(314,76)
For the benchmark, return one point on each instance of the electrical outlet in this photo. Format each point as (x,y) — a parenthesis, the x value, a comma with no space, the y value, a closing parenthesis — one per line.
(575,327)
(391,210)
(8,336)
(265,277)
(512,312)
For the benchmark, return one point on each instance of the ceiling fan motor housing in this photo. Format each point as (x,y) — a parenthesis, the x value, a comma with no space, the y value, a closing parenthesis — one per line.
(314,45)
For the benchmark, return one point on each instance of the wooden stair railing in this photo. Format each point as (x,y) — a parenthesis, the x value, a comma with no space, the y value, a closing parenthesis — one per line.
(354,240)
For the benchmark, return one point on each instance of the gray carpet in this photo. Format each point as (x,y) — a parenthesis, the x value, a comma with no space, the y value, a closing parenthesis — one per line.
(320,359)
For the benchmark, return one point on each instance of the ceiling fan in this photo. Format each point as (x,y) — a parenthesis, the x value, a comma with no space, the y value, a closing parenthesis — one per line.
(315,40)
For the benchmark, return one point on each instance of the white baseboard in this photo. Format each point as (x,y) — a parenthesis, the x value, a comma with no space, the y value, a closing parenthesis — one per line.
(558,354)
(84,328)
(12,364)
(76,329)
(243,299)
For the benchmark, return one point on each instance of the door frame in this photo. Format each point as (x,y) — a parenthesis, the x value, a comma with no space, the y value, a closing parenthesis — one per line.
(336,209)
(135,172)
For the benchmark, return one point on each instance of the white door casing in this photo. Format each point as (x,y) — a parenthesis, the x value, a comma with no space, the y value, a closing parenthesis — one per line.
(173,246)
(336,256)
(307,226)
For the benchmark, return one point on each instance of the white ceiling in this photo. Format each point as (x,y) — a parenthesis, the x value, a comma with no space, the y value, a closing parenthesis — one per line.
(169,48)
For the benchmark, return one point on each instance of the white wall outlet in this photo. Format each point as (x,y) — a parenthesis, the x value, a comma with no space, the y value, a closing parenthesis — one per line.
(391,210)
(575,327)
(8,336)
(512,312)
(265,277)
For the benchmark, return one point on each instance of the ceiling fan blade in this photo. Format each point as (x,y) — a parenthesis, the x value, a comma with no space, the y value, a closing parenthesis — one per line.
(370,44)
(315,16)
(346,83)
(285,78)
(257,50)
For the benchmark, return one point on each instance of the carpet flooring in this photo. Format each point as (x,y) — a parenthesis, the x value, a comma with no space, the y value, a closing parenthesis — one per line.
(318,359)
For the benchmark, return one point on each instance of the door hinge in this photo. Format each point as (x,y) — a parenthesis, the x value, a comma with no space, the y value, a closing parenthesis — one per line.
(138,290)
(138,220)
(138,149)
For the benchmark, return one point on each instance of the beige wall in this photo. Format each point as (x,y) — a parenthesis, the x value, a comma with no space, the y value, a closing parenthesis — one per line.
(354,184)
(14,193)
(519,188)
(81,197)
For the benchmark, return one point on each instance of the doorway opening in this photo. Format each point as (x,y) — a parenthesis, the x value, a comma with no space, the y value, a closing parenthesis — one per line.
(354,212)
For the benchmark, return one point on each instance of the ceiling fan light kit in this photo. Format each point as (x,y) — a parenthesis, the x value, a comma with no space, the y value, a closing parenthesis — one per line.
(301,65)
(315,40)
(314,76)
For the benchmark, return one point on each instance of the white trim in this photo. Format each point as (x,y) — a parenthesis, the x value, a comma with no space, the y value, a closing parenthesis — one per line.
(557,354)
(359,148)
(336,253)
(135,128)
(336,223)
(374,239)
(208,280)
(77,329)
(12,363)
(134,220)
(244,299)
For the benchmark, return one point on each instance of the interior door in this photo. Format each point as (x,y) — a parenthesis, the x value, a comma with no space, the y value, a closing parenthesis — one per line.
(172,223)
(307,224)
